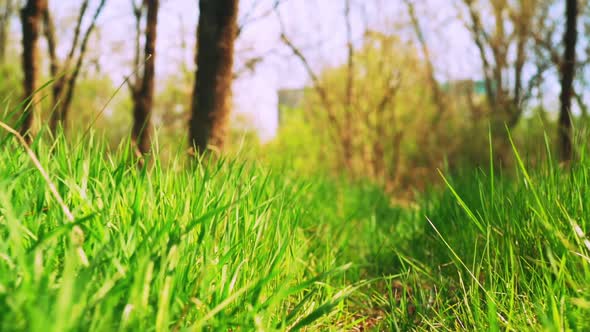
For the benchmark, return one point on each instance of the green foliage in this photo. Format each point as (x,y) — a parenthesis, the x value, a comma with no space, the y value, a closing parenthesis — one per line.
(296,146)
(398,136)
(389,107)
(516,247)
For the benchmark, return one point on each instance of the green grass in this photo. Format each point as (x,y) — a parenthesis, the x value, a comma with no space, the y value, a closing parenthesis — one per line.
(237,246)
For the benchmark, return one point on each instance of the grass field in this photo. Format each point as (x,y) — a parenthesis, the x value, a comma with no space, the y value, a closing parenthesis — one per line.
(238,246)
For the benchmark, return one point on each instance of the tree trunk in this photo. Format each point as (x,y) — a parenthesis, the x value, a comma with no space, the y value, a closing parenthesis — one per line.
(567,77)
(348,134)
(31,16)
(143,98)
(212,90)
(5,16)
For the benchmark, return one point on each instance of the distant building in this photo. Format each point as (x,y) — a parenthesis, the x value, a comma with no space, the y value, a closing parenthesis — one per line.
(464,87)
(468,94)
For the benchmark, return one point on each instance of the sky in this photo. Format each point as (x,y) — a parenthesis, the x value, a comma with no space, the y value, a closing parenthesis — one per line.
(315,26)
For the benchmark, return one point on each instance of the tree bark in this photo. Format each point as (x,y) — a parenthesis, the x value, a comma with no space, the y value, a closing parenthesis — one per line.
(5,16)
(216,34)
(31,15)
(143,97)
(568,66)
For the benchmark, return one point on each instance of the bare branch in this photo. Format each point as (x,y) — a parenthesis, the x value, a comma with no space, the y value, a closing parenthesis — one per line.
(476,29)
(49,31)
(393,85)
(245,20)
(137,13)
(248,67)
(437,96)
(305,63)
(77,31)
(248,19)
(350,55)
(72,79)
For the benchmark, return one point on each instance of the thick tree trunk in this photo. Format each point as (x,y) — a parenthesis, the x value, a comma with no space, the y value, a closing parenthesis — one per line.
(31,16)
(567,77)
(143,98)
(212,90)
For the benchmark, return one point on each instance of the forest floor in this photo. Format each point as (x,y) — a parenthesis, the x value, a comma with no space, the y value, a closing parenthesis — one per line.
(235,246)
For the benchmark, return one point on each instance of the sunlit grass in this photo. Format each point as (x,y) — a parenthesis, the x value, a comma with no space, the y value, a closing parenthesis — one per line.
(504,252)
(218,246)
(233,245)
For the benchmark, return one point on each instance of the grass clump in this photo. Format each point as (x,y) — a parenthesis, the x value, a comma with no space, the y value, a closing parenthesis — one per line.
(502,252)
(216,247)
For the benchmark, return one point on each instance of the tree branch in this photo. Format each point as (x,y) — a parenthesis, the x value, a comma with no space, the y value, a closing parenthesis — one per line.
(437,97)
(137,13)
(477,31)
(83,46)
(248,20)
(77,31)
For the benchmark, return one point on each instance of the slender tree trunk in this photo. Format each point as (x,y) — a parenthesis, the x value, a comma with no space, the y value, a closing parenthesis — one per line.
(348,134)
(70,67)
(567,77)
(58,83)
(216,34)
(31,16)
(437,96)
(142,111)
(477,32)
(5,15)
(70,85)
